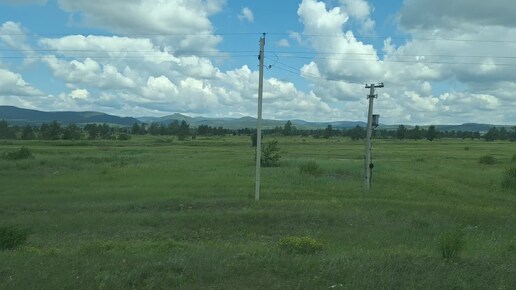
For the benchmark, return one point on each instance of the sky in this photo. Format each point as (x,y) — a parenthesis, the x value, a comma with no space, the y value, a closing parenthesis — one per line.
(441,62)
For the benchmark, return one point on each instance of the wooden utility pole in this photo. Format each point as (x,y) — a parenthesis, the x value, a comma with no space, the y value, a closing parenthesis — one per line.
(369,135)
(259,120)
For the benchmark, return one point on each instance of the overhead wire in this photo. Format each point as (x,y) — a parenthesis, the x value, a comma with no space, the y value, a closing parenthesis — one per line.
(338,56)
(229,33)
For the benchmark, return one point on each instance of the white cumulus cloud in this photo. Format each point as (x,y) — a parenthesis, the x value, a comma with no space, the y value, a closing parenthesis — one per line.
(246,14)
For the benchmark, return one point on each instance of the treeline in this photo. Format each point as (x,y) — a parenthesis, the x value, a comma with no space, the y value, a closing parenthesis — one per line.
(55,131)
(181,129)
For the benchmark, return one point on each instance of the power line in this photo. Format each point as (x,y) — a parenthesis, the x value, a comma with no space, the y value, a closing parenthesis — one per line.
(286,53)
(399,61)
(283,54)
(358,36)
(214,33)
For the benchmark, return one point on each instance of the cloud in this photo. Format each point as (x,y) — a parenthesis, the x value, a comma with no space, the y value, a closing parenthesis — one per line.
(108,47)
(433,77)
(283,43)
(177,23)
(456,14)
(13,84)
(361,11)
(88,72)
(348,64)
(246,14)
(14,35)
(82,94)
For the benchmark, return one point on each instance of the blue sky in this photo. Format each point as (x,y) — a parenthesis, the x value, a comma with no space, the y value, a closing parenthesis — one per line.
(199,57)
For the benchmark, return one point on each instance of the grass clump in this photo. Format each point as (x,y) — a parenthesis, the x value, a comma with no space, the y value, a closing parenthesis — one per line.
(22,153)
(300,245)
(509,179)
(451,244)
(124,137)
(487,159)
(12,237)
(310,168)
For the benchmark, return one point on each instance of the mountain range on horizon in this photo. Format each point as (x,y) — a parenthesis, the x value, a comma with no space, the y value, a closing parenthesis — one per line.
(20,116)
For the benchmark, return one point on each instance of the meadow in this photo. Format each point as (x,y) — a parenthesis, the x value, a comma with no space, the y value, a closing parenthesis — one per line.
(158,213)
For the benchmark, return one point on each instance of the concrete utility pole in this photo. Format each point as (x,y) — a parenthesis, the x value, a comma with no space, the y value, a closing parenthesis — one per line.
(259,120)
(369,135)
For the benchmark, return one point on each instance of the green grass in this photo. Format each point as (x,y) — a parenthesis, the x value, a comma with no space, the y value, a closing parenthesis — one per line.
(150,213)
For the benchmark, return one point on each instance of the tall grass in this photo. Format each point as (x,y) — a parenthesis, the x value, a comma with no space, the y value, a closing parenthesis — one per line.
(142,214)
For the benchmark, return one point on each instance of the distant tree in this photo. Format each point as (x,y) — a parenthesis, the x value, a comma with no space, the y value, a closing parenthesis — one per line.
(492,134)
(513,134)
(154,128)
(416,133)
(173,128)
(503,134)
(135,129)
(6,132)
(356,133)
(431,133)
(288,128)
(28,133)
(93,131)
(105,131)
(50,131)
(183,131)
(328,132)
(72,132)
(203,130)
(401,132)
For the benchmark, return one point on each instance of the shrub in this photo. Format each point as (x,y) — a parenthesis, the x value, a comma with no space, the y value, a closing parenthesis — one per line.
(513,158)
(310,168)
(509,179)
(22,153)
(487,159)
(300,245)
(124,137)
(270,154)
(466,148)
(12,237)
(450,244)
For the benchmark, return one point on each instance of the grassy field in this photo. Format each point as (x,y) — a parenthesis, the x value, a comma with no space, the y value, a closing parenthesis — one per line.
(154,213)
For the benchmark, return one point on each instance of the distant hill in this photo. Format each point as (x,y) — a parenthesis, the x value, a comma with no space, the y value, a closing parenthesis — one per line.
(15,115)
(248,122)
(471,127)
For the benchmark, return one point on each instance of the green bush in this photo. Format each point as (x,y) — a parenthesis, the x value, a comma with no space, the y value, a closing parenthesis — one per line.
(513,158)
(451,244)
(12,237)
(22,153)
(466,148)
(487,159)
(300,245)
(509,179)
(310,168)
(124,137)
(270,154)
